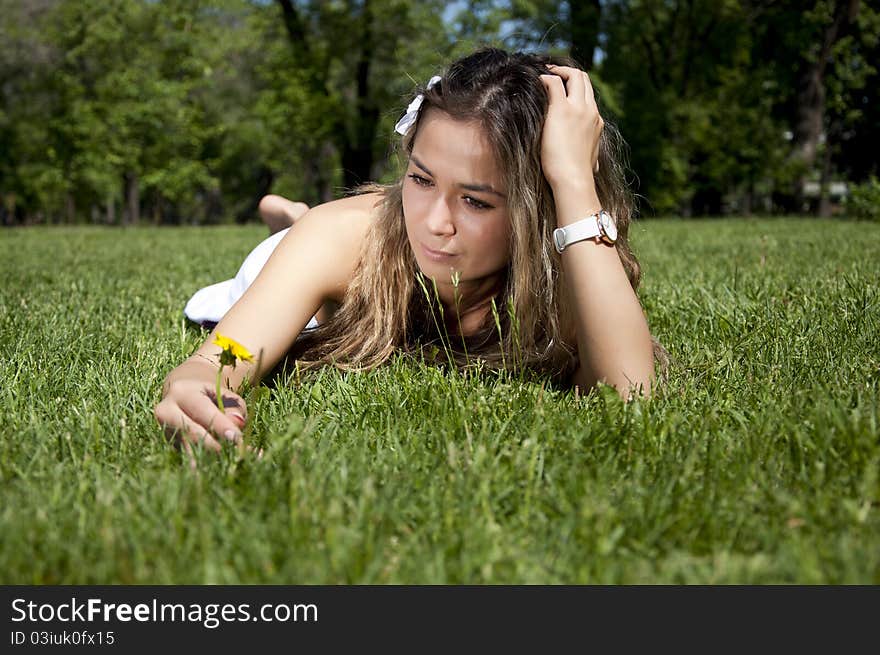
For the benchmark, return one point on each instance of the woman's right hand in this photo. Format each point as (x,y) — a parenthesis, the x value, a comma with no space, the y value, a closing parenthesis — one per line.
(189,415)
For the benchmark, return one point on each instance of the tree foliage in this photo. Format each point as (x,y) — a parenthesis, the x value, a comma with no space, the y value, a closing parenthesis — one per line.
(186,111)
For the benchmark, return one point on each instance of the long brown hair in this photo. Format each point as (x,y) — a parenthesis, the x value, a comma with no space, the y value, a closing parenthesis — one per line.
(390,305)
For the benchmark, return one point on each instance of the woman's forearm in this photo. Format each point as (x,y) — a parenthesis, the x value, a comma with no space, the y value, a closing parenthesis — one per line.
(614,343)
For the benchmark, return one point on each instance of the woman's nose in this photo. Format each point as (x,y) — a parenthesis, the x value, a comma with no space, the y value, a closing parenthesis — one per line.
(440,220)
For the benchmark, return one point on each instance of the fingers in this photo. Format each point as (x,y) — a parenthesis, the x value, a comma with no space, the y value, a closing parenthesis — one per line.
(572,114)
(203,411)
(589,95)
(555,88)
(199,421)
(577,82)
(184,431)
(235,408)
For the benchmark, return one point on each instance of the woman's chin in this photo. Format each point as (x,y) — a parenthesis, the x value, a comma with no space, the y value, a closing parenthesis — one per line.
(432,268)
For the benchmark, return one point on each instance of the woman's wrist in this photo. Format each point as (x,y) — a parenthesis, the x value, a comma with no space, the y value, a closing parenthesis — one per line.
(191,369)
(575,200)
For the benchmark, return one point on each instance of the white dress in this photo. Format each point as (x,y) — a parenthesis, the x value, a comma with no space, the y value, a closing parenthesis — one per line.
(210,304)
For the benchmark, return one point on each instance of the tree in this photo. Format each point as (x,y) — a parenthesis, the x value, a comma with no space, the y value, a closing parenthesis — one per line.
(803,40)
(352,55)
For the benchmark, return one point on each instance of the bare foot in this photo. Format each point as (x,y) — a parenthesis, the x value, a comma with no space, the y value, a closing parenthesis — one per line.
(278,212)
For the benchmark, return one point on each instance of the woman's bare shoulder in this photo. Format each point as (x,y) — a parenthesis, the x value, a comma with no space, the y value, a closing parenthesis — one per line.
(344,223)
(359,208)
(345,220)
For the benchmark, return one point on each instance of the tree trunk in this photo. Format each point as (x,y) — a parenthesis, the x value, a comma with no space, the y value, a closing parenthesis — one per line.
(305,58)
(132,198)
(111,209)
(69,208)
(9,209)
(357,152)
(213,206)
(323,185)
(810,107)
(808,128)
(824,200)
(584,27)
(748,199)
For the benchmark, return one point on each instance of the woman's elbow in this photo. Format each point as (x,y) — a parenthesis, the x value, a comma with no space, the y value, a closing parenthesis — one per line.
(634,382)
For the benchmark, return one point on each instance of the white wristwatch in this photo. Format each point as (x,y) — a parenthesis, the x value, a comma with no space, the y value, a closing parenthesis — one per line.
(599,225)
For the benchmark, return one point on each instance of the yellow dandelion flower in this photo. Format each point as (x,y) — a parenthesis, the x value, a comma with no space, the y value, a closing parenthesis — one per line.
(233,348)
(231,352)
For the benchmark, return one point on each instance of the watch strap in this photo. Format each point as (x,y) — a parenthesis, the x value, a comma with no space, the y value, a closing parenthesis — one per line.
(587,228)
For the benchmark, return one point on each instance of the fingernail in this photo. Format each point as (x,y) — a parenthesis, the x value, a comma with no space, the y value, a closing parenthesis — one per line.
(232,435)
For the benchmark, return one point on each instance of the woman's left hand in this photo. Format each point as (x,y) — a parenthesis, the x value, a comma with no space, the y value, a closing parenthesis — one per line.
(572,127)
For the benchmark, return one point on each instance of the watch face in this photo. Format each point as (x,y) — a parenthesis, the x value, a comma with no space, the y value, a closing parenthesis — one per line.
(608,226)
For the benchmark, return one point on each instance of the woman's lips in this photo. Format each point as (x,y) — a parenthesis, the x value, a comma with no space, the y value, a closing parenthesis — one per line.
(436,255)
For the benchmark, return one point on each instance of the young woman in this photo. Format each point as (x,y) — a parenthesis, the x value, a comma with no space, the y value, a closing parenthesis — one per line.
(513,200)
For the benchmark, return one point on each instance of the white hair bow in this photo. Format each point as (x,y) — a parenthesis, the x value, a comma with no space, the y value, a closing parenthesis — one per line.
(412,112)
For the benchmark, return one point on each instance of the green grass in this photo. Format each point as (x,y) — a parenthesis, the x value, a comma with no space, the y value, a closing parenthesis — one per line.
(757,463)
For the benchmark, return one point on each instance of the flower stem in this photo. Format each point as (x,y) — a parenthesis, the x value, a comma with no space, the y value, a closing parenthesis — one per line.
(219,397)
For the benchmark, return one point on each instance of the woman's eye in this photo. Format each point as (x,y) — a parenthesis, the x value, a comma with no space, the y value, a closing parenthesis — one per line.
(476,204)
(418,179)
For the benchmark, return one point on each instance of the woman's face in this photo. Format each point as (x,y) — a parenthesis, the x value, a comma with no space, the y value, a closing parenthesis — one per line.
(454,201)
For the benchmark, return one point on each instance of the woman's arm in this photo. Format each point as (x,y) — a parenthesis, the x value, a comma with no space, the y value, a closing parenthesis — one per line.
(614,344)
(312,264)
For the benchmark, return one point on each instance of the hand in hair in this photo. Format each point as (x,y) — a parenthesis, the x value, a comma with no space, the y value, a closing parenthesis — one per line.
(572,127)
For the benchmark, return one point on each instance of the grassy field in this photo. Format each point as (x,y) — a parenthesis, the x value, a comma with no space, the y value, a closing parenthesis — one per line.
(757,463)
